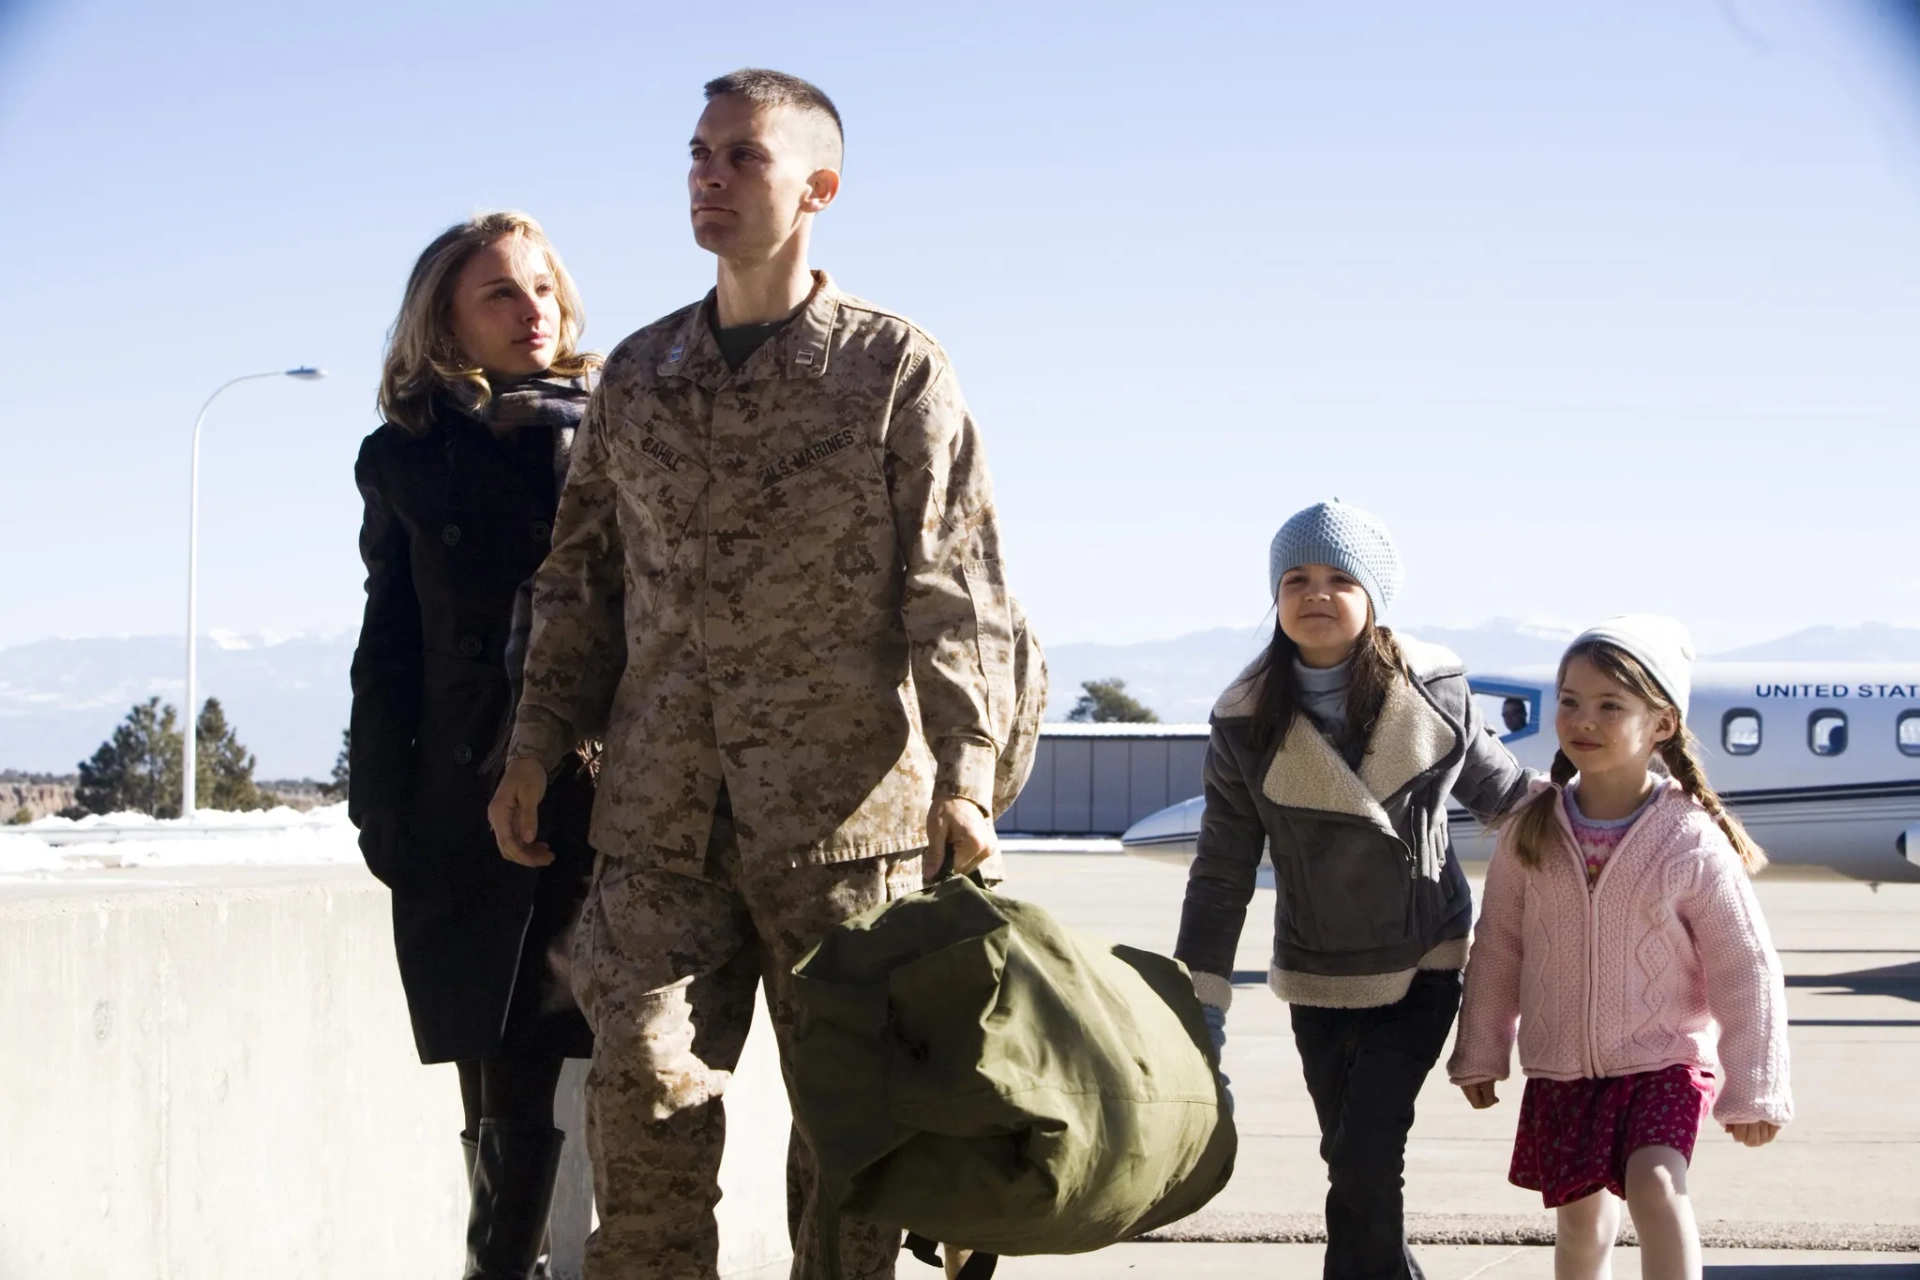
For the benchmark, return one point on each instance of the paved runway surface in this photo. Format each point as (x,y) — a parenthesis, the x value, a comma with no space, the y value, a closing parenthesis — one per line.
(1840,1189)
(1443,1262)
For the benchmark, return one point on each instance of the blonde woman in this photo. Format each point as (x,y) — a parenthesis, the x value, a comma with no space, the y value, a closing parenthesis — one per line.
(482,389)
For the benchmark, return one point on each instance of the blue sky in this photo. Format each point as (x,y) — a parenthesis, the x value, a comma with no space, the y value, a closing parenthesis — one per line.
(1600,306)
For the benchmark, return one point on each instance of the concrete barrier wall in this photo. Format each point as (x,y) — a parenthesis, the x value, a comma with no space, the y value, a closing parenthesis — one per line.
(210,1074)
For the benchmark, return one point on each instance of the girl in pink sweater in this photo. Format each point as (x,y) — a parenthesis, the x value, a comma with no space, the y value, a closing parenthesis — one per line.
(1619,935)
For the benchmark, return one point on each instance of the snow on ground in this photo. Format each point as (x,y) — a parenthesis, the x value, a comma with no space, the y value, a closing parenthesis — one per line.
(1017,843)
(267,837)
(24,855)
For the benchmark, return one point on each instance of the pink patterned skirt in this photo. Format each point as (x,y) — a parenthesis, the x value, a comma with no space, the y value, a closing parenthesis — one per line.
(1575,1135)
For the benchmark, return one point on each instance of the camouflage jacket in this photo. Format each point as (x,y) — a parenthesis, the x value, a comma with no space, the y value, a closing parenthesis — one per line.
(785,578)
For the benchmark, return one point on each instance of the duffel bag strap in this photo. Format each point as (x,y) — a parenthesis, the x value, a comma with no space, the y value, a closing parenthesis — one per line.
(946,873)
(928,1251)
(978,1266)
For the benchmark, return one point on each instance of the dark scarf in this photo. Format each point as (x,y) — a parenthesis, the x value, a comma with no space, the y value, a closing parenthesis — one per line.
(544,401)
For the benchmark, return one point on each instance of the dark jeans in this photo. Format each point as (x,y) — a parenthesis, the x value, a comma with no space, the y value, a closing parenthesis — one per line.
(1364,1068)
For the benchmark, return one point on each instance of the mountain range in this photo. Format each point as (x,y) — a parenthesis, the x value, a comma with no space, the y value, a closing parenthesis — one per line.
(287,697)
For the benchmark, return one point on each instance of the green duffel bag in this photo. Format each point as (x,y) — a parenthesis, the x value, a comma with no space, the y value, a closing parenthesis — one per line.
(967,1069)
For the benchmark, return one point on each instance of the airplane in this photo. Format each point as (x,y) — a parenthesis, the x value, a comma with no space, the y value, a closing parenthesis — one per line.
(1821,761)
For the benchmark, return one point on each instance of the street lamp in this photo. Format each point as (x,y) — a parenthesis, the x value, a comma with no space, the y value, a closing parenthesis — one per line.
(191,736)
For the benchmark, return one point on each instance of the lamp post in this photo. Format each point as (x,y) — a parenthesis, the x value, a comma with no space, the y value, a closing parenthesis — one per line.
(191,760)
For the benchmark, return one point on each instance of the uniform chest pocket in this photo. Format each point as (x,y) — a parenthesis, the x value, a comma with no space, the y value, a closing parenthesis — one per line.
(800,484)
(659,488)
(658,474)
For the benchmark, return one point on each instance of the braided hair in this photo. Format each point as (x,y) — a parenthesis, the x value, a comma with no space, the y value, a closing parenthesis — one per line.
(1682,755)
(1535,824)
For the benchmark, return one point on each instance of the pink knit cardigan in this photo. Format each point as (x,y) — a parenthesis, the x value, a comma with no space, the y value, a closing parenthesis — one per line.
(1633,975)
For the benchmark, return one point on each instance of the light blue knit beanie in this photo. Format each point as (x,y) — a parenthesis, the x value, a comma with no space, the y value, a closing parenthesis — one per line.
(1347,538)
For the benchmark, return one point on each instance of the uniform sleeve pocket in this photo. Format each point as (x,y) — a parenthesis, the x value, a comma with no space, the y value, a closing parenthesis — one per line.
(993,639)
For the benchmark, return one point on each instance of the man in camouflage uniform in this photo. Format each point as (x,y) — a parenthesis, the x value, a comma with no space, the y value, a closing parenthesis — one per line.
(775,592)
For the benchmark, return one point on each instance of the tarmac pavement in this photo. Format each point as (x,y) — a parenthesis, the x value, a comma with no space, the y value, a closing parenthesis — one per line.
(1838,1194)
(1440,1262)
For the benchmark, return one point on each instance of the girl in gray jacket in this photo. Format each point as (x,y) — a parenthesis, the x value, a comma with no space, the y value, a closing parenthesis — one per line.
(1338,750)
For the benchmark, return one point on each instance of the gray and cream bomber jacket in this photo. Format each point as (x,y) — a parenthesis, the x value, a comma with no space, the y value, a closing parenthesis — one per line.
(1368,891)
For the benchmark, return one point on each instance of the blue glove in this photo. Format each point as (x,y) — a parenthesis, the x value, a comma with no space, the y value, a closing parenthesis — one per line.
(1217,1032)
(1216,1028)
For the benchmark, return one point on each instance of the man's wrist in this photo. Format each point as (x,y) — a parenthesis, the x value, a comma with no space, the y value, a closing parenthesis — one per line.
(941,797)
(966,770)
(540,737)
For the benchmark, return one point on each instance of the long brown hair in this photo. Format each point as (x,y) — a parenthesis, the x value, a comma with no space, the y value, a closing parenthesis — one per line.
(1376,663)
(1535,825)
(422,357)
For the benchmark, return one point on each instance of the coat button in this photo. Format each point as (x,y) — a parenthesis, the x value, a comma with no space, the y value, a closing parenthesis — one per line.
(470,646)
(450,534)
(541,530)
(463,754)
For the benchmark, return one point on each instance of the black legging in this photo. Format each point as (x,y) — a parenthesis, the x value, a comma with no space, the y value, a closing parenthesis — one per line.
(516,1090)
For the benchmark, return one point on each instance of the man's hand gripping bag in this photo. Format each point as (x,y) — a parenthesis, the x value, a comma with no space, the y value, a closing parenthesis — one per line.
(969,1070)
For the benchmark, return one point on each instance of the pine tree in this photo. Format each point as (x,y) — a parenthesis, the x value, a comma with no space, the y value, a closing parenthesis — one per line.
(223,776)
(1108,702)
(337,789)
(138,768)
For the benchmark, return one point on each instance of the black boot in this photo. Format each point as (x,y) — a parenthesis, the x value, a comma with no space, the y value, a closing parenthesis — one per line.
(513,1175)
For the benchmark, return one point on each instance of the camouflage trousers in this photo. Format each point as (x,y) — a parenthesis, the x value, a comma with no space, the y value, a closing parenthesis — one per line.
(666,967)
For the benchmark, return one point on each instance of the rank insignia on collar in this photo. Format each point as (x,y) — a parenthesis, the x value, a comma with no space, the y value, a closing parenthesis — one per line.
(679,349)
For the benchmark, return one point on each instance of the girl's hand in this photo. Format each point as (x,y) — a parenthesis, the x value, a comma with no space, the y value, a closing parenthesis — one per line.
(1480,1093)
(1753,1133)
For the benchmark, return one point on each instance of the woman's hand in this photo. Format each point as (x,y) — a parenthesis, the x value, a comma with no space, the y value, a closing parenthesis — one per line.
(1753,1133)
(1480,1093)
(514,813)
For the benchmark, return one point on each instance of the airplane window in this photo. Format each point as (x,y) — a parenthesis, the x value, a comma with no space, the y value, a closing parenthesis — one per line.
(1740,732)
(1827,732)
(1515,713)
(1509,710)
(1907,733)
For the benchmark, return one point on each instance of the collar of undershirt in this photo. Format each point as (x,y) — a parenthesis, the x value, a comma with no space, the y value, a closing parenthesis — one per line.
(739,342)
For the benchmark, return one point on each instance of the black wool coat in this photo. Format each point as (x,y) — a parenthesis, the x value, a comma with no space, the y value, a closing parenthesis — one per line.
(455,520)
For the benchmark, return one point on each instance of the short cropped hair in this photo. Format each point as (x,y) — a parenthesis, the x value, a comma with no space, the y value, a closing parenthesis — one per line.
(764,88)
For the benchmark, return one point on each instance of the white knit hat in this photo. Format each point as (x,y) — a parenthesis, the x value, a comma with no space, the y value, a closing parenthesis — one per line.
(1661,645)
